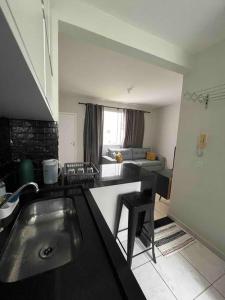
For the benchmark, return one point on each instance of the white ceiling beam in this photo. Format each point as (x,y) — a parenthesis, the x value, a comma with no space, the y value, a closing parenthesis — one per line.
(131,39)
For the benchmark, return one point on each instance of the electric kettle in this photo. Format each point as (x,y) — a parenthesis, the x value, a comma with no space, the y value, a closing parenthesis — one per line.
(51,170)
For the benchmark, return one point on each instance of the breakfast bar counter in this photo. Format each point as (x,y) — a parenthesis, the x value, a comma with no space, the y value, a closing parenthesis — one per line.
(114,180)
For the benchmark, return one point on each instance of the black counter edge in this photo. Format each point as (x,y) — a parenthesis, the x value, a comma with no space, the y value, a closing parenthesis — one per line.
(128,281)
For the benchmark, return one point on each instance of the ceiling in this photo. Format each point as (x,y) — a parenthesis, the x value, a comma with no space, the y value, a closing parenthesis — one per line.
(190,24)
(88,70)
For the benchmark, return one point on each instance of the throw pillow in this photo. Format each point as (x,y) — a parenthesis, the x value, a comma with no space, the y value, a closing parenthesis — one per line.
(151,156)
(119,157)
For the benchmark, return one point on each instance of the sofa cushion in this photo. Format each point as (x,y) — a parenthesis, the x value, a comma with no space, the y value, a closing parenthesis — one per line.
(126,152)
(139,153)
(128,161)
(153,168)
(146,162)
(112,151)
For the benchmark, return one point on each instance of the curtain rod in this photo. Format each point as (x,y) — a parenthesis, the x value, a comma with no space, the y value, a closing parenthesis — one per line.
(147,112)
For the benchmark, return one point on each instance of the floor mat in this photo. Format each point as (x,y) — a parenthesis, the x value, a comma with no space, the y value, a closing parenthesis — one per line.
(170,237)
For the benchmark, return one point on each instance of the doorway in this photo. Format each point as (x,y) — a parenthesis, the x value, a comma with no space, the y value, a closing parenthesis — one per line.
(67,137)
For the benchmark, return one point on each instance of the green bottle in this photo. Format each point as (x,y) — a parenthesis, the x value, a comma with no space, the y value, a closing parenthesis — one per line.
(26,171)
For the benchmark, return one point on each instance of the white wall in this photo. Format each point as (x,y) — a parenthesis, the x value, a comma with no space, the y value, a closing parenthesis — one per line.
(95,20)
(108,208)
(69,103)
(198,192)
(165,127)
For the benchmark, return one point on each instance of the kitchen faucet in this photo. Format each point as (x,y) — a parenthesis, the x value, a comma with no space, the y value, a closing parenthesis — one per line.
(15,195)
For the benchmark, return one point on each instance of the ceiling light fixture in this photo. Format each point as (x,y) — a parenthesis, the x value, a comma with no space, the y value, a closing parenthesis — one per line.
(130,89)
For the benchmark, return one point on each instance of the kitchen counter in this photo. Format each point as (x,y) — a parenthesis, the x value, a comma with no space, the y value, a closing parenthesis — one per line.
(113,174)
(100,271)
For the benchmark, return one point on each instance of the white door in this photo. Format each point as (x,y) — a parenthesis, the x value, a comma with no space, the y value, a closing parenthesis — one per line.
(67,137)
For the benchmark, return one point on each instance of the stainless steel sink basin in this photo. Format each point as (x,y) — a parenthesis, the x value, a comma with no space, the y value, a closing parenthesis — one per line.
(46,235)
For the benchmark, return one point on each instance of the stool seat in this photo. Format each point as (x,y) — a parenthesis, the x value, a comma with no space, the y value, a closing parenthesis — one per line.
(135,200)
(138,204)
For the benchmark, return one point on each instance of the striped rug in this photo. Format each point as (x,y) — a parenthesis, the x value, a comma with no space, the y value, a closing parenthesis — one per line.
(170,238)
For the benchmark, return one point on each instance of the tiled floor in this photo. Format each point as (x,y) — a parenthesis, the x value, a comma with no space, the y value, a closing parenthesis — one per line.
(192,273)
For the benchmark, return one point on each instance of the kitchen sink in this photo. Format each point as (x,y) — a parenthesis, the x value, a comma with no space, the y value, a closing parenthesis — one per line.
(46,235)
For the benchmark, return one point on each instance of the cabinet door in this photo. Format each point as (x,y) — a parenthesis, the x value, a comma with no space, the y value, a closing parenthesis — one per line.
(47,19)
(48,75)
(47,49)
(28,17)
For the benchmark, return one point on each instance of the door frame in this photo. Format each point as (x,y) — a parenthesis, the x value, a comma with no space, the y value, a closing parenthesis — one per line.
(75,130)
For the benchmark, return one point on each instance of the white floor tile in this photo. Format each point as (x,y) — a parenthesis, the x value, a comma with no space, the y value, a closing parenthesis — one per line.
(210,294)
(181,276)
(123,235)
(149,253)
(152,284)
(139,247)
(205,261)
(140,259)
(220,285)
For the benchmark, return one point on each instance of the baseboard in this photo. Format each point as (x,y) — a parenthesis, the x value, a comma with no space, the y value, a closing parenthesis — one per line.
(198,237)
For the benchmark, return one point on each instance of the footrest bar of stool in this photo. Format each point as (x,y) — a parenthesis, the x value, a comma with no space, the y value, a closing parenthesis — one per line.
(135,254)
(122,230)
(141,252)
(121,245)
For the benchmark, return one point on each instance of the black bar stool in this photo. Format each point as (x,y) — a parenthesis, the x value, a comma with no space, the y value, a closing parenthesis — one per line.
(139,205)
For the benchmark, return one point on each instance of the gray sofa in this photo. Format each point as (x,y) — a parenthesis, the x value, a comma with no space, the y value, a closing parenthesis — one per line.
(135,156)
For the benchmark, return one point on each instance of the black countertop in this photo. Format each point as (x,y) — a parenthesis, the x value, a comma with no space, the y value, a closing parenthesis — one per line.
(113,174)
(100,271)
(110,174)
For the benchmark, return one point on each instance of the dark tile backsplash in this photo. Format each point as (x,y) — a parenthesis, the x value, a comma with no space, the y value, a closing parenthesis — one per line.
(36,140)
(5,157)
(20,139)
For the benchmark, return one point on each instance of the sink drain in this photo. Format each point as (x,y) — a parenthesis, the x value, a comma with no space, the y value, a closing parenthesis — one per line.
(46,252)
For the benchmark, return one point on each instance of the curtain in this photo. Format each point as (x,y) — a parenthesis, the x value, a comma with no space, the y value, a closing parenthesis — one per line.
(93,133)
(134,128)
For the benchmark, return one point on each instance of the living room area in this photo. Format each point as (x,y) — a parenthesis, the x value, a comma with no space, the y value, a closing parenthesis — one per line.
(133,114)
(138,104)
(157,145)
(104,85)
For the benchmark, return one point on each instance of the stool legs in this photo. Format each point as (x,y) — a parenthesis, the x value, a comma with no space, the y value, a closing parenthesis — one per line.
(118,215)
(153,242)
(132,227)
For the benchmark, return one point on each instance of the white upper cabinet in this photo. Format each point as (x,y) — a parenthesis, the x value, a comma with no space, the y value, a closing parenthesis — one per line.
(47,50)
(47,19)
(28,17)
(30,22)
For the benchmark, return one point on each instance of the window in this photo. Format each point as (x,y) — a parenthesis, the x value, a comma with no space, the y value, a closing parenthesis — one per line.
(114,129)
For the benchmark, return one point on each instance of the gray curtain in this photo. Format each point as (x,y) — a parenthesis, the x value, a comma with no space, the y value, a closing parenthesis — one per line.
(134,128)
(93,133)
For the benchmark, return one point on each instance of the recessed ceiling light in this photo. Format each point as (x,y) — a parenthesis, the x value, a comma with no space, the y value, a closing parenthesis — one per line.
(130,89)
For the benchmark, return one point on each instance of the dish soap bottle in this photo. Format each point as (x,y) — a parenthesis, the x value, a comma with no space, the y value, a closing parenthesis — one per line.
(26,171)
